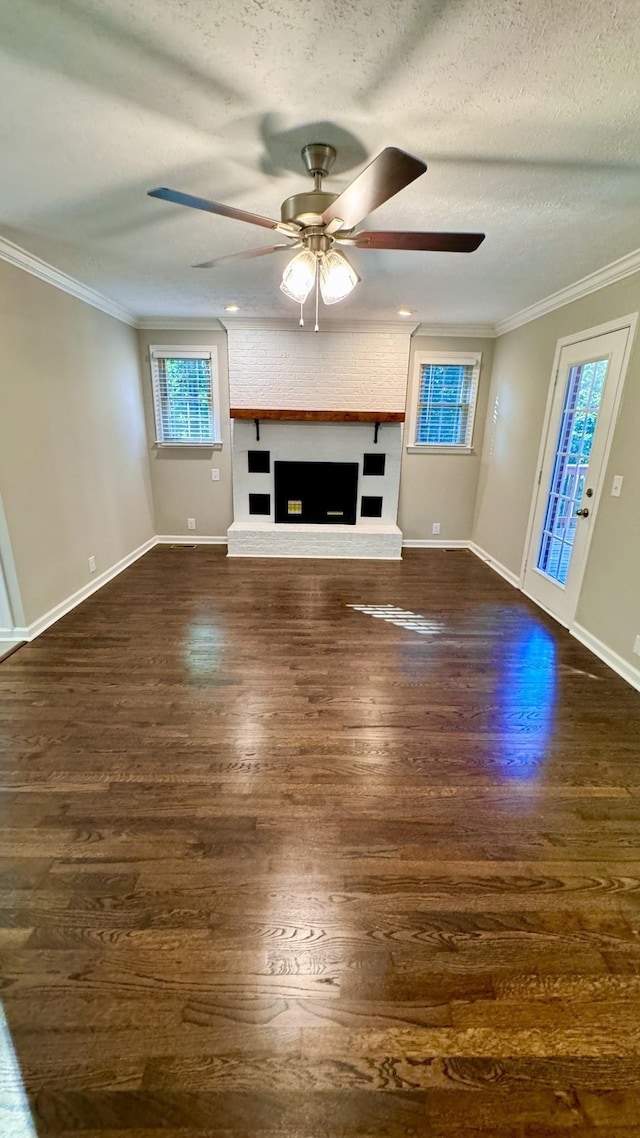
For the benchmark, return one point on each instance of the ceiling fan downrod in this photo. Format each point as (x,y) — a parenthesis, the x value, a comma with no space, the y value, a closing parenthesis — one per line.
(319,158)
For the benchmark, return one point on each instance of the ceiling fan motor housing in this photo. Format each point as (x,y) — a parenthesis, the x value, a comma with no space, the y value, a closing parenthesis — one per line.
(306,209)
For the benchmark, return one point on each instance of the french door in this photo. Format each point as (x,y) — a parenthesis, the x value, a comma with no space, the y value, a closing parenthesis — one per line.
(588,381)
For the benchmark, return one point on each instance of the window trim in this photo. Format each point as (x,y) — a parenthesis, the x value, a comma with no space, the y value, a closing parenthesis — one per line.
(456,358)
(187,351)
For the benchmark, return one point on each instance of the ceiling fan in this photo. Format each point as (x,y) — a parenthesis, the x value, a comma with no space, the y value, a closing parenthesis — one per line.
(315,221)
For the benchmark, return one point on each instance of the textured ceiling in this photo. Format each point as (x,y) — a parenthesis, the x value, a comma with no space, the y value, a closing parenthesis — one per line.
(525,110)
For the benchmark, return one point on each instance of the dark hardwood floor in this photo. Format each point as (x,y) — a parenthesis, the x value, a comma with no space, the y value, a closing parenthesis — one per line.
(275,867)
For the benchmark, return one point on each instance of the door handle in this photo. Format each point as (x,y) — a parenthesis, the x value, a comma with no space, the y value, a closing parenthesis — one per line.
(583,513)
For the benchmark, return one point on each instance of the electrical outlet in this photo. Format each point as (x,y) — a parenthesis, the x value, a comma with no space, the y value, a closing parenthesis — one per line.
(636,646)
(92,564)
(191,523)
(215,474)
(435,528)
(616,488)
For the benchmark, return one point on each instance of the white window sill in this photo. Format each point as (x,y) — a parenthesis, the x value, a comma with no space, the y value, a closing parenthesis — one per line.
(426,448)
(189,446)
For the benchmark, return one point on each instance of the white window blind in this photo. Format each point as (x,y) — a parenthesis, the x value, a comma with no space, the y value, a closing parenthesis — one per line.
(183,396)
(446,402)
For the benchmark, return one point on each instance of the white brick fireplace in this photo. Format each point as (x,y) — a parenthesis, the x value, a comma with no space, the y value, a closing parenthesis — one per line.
(336,397)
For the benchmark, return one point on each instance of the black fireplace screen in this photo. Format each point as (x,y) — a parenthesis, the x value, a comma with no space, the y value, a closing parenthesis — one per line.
(316,492)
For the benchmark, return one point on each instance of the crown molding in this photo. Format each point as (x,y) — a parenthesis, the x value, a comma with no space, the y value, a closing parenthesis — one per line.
(290,324)
(609,274)
(472,331)
(179,324)
(22,259)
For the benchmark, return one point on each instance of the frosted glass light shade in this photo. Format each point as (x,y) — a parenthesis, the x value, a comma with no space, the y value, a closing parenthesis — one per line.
(299,276)
(337,277)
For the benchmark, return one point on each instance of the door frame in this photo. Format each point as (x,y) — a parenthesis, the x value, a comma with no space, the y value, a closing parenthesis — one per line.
(10,586)
(7,623)
(621,323)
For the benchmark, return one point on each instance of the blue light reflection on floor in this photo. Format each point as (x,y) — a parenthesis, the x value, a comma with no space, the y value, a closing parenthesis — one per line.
(526,697)
(15,1116)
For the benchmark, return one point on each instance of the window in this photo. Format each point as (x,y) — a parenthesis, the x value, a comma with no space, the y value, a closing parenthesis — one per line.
(185,396)
(445,401)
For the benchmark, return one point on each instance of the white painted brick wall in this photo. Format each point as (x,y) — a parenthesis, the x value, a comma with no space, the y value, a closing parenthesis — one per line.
(317,442)
(324,371)
(259,540)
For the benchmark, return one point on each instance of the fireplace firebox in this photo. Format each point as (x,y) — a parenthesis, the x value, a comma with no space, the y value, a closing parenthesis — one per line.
(316,492)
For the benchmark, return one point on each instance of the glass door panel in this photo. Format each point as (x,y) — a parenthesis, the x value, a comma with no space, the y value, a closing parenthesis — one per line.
(585,385)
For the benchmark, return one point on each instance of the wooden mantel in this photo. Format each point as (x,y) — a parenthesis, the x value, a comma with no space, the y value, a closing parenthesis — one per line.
(263,413)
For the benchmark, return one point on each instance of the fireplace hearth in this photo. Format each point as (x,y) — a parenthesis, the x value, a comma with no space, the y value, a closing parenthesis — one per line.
(324,493)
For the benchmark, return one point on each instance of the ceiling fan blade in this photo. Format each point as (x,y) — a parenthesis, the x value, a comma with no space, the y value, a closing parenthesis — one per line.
(217,207)
(389,173)
(248,255)
(428,242)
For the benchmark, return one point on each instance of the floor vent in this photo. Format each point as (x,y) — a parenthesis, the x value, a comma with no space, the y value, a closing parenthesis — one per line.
(182,545)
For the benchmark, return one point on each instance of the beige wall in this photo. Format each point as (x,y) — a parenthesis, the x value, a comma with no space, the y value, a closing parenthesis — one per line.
(73,465)
(181,476)
(609,605)
(442,487)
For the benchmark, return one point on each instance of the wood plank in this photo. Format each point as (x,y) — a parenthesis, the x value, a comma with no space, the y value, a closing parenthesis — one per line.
(307,416)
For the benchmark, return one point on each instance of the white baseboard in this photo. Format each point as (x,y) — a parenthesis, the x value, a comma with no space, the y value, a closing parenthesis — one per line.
(182,539)
(69,603)
(512,578)
(607,655)
(435,543)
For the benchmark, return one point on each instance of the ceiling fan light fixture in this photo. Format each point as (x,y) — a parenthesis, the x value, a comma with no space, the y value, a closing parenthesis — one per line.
(337,277)
(299,276)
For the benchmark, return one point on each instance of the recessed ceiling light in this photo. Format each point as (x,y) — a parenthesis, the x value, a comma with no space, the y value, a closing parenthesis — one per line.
(231,307)
(405,312)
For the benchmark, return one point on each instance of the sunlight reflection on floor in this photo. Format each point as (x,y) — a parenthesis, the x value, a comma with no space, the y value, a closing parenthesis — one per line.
(15,1116)
(403,618)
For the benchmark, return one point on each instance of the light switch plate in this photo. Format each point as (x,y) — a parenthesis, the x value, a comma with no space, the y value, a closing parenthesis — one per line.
(636,646)
(215,474)
(616,488)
